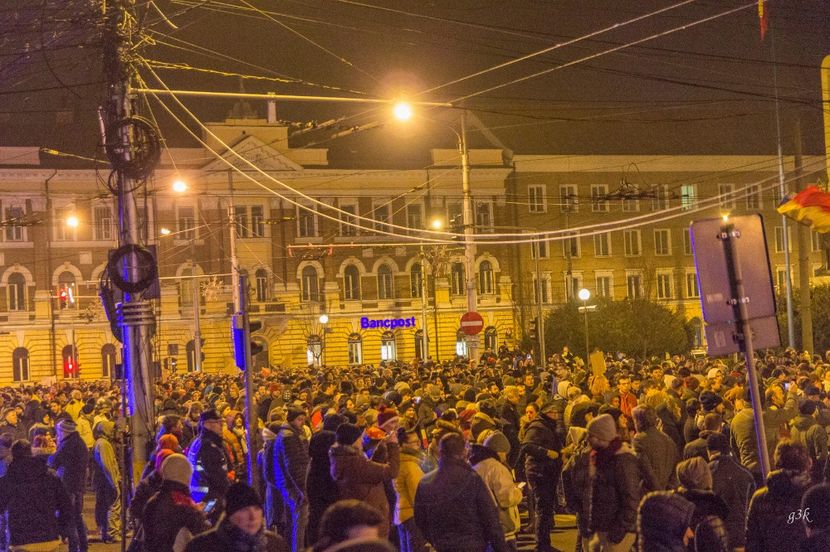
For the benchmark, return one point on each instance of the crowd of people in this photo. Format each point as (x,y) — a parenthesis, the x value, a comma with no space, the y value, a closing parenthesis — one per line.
(651,454)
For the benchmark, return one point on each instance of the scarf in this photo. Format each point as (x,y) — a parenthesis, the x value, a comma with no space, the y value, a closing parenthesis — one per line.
(237,540)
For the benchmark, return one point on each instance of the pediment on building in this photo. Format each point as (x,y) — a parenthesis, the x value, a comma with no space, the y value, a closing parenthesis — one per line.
(260,154)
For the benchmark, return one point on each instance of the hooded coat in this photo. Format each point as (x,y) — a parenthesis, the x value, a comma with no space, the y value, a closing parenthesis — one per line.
(735,485)
(70,461)
(406,484)
(662,522)
(615,494)
(499,481)
(767,529)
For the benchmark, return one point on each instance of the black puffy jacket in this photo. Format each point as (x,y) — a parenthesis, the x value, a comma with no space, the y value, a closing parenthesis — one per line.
(541,435)
(70,461)
(767,523)
(615,495)
(210,467)
(37,502)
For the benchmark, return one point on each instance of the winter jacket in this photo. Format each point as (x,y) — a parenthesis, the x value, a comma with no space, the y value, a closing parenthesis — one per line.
(662,525)
(658,456)
(70,461)
(17,431)
(144,491)
(697,447)
(106,473)
(455,511)
(167,513)
(742,435)
(706,504)
(819,541)
(360,478)
(290,462)
(499,481)
(615,494)
(735,485)
(807,431)
(228,538)
(321,487)
(210,467)
(541,435)
(767,529)
(406,483)
(37,503)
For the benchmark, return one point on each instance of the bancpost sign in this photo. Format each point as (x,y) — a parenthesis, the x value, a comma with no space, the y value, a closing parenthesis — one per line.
(391,323)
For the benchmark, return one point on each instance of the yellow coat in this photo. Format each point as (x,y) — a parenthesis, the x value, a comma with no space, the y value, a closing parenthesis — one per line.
(406,484)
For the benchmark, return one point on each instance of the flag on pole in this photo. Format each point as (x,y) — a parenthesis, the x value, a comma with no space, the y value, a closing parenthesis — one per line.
(763,18)
(810,206)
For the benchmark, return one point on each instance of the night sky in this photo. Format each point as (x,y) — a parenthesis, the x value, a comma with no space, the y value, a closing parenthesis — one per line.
(706,89)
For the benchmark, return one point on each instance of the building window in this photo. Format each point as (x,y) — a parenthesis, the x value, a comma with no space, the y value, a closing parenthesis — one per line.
(599,198)
(261,276)
(64,232)
(486,278)
(66,290)
(388,348)
(779,240)
(539,249)
(781,278)
(457,282)
(355,349)
(310,284)
(662,199)
(602,244)
(16,292)
(461,344)
(491,341)
(662,241)
(753,197)
(688,196)
(633,243)
(348,217)
(306,222)
(726,196)
(70,361)
(14,232)
(415,282)
(630,205)
(573,283)
(102,223)
(186,283)
(415,216)
(568,200)
(351,283)
(634,286)
(386,283)
(692,291)
(420,353)
(604,286)
(570,247)
(815,240)
(664,287)
(314,350)
(687,241)
(545,288)
(108,361)
(257,221)
(185,223)
(484,216)
(382,214)
(20,364)
(240,215)
(537,200)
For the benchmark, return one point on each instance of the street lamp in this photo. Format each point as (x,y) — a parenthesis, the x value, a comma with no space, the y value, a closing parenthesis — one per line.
(324,319)
(584,295)
(179,186)
(436,223)
(72,221)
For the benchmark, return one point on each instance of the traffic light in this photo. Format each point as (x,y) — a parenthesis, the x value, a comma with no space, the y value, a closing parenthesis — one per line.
(532,332)
(70,367)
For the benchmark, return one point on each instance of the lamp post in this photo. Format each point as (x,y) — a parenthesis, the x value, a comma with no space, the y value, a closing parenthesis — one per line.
(436,224)
(180,186)
(324,319)
(584,295)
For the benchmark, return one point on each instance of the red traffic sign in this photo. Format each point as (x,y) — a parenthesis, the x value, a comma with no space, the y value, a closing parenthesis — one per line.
(471,323)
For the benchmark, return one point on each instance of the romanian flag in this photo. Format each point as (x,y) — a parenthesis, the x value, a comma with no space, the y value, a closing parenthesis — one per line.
(810,206)
(763,18)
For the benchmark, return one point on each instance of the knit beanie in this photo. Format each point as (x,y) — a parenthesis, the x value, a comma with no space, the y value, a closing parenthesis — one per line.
(817,500)
(694,473)
(168,441)
(386,415)
(497,442)
(347,434)
(176,468)
(161,456)
(67,426)
(240,496)
(294,413)
(603,427)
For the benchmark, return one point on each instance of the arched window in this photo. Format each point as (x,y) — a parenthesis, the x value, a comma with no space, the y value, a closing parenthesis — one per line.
(490,339)
(386,283)
(70,361)
(355,349)
(108,360)
(66,289)
(261,276)
(16,292)
(388,347)
(20,364)
(416,283)
(486,278)
(461,344)
(457,282)
(697,332)
(310,285)
(419,345)
(351,283)
(314,350)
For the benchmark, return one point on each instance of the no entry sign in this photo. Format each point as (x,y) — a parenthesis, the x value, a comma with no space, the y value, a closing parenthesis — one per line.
(471,323)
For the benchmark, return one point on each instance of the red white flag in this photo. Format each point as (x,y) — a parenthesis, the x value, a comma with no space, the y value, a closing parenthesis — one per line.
(763,18)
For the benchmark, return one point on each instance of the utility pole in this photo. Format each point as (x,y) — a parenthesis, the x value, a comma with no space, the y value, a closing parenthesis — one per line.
(805,246)
(469,245)
(424,299)
(133,148)
(250,406)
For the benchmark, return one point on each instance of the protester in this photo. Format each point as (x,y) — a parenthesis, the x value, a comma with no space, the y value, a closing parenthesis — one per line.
(657,452)
(406,484)
(209,459)
(733,483)
(663,522)
(816,504)
(70,461)
(351,526)
(106,480)
(290,472)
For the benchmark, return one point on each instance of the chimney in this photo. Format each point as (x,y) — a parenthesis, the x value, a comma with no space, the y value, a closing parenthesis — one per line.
(272,112)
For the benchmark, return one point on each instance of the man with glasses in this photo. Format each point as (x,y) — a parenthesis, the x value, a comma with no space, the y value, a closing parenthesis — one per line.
(210,462)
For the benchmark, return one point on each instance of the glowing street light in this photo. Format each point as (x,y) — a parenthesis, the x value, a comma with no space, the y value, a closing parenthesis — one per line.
(72,221)
(165,231)
(179,186)
(437,223)
(324,319)
(402,111)
(584,295)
